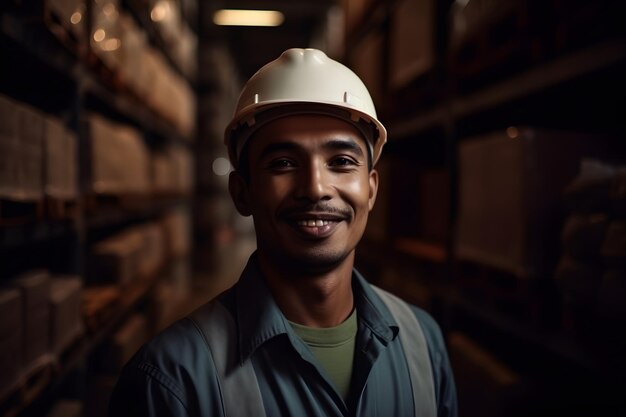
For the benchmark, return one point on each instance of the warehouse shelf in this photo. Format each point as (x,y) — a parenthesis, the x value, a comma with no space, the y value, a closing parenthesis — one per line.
(21,235)
(558,348)
(142,17)
(534,80)
(131,109)
(491,72)
(370,21)
(134,210)
(76,354)
(34,38)
(67,84)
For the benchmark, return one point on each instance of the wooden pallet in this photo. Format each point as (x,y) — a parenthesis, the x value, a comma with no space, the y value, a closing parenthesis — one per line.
(100,305)
(61,209)
(99,202)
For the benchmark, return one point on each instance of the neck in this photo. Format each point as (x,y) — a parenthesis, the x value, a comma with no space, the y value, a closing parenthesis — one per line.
(322,299)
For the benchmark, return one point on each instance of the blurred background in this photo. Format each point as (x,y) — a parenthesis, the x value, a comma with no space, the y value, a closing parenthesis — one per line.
(501,210)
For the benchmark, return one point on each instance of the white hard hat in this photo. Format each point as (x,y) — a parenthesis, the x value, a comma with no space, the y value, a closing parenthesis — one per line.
(303,81)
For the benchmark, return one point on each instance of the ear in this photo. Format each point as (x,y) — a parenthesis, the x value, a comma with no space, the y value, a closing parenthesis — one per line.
(238,189)
(373,180)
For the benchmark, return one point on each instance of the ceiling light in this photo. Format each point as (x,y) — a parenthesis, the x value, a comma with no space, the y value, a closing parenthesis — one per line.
(234,17)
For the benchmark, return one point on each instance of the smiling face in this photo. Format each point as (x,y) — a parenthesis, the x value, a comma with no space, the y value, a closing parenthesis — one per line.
(309,191)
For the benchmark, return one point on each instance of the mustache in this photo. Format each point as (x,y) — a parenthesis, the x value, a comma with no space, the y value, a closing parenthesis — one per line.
(320,207)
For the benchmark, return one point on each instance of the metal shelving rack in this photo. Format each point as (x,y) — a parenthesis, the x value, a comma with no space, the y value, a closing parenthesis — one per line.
(53,65)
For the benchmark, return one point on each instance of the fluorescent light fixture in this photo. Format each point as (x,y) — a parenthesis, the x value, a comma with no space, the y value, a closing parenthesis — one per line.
(234,17)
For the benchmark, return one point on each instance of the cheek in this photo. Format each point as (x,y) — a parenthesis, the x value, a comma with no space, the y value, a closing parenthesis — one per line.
(269,191)
(357,191)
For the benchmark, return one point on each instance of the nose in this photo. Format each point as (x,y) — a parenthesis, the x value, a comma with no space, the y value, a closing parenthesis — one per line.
(314,182)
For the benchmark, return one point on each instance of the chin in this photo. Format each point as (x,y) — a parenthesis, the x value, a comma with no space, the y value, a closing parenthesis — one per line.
(313,260)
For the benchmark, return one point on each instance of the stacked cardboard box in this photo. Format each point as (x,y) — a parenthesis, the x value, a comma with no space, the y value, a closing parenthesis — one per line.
(116,259)
(593,264)
(106,34)
(119,158)
(35,290)
(8,147)
(367,61)
(172,170)
(11,325)
(152,255)
(180,42)
(21,151)
(510,196)
(177,227)
(65,312)
(133,70)
(61,167)
(137,252)
(412,38)
(163,172)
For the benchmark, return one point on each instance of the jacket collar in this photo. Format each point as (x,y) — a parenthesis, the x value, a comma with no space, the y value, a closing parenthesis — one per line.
(259,319)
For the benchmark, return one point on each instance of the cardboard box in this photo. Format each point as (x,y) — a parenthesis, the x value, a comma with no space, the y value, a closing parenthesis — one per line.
(30,170)
(133,45)
(66,323)
(119,158)
(163,172)
(177,229)
(153,252)
(117,258)
(60,161)
(21,153)
(11,327)
(511,205)
(356,11)
(35,289)
(412,39)
(9,153)
(106,34)
(367,61)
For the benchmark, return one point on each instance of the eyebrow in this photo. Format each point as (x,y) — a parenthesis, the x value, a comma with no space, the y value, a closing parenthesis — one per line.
(333,144)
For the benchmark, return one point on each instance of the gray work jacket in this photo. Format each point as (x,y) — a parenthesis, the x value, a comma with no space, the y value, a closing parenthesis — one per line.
(175,374)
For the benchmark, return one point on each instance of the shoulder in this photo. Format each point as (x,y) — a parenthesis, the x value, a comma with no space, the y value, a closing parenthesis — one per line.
(176,356)
(173,356)
(431,329)
(172,369)
(428,325)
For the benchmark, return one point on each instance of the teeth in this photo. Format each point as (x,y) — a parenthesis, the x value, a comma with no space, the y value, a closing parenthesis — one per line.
(313,223)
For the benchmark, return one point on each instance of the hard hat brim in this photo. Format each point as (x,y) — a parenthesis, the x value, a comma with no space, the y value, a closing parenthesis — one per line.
(253,117)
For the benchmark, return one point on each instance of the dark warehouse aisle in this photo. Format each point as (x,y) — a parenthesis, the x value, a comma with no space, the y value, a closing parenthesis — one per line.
(501,206)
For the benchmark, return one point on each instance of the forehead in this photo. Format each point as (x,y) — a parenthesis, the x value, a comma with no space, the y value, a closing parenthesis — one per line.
(306,131)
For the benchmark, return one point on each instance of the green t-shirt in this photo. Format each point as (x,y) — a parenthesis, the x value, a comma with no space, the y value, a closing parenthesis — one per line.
(334,349)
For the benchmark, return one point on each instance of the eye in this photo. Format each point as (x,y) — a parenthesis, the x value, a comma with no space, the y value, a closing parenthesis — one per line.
(342,162)
(281,164)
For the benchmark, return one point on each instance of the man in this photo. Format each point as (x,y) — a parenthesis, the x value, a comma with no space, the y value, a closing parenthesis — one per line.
(302,333)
